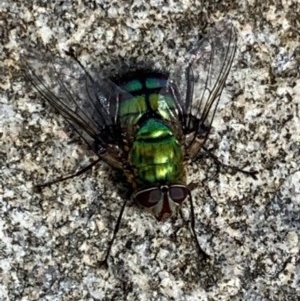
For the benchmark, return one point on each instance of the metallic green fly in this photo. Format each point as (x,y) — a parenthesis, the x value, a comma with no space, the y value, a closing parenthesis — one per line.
(148,124)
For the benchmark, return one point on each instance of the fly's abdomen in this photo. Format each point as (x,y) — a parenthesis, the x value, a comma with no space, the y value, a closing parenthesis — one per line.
(143,95)
(156,154)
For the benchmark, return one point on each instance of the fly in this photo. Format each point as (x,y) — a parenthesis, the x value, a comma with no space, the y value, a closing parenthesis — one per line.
(148,124)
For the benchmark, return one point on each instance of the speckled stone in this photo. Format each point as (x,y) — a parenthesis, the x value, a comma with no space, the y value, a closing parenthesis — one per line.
(51,241)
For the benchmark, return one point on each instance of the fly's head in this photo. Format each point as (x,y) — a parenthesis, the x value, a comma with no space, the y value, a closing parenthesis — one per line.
(162,201)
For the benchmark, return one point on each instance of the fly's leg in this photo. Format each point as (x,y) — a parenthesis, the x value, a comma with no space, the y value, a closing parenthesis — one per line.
(200,251)
(116,229)
(38,187)
(251,173)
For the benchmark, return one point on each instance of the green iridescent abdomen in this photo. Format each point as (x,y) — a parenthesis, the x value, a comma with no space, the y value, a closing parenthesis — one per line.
(155,155)
(145,95)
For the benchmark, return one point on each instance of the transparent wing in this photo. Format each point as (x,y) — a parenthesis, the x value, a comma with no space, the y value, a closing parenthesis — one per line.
(89,105)
(200,78)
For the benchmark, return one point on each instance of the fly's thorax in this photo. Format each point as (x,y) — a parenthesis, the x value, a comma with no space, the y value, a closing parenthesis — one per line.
(162,201)
(156,155)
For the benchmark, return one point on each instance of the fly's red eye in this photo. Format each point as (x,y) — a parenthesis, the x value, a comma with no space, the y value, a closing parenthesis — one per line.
(154,196)
(148,197)
(178,193)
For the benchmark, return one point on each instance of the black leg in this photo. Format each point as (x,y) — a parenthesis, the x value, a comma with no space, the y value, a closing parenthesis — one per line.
(117,227)
(228,167)
(201,252)
(78,173)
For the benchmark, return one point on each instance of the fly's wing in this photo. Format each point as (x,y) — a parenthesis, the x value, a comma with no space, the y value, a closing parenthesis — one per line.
(89,105)
(200,78)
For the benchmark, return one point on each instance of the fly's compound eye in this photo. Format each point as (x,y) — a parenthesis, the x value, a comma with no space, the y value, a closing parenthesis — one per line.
(178,193)
(148,197)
